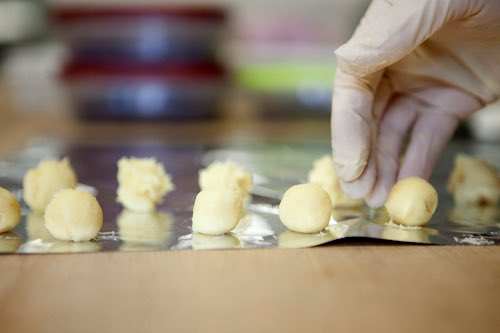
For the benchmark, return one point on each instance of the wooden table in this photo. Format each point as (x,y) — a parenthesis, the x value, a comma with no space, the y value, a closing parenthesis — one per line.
(338,288)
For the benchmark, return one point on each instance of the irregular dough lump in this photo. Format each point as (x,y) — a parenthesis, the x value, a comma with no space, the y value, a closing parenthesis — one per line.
(412,202)
(142,183)
(474,181)
(305,208)
(323,174)
(226,174)
(10,211)
(73,215)
(49,177)
(217,210)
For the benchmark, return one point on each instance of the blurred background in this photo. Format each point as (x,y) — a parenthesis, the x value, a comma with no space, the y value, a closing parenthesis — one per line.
(157,59)
(177,60)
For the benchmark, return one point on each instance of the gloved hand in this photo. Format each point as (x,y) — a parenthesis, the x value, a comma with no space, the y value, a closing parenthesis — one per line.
(412,68)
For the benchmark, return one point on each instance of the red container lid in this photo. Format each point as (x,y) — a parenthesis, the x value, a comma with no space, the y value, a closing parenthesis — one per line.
(77,13)
(78,70)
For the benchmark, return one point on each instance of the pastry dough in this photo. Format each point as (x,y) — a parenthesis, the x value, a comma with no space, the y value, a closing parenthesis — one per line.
(412,202)
(10,211)
(323,174)
(217,210)
(49,177)
(474,181)
(305,208)
(226,174)
(73,215)
(142,184)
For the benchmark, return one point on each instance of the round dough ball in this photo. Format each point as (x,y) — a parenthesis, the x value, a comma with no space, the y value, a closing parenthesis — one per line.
(142,184)
(412,202)
(474,181)
(323,174)
(10,211)
(49,177)
(305,208)
(73,215)
(226,174)
(217,210)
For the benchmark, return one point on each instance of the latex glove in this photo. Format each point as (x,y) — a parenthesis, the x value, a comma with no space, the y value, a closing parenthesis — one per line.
(412,68)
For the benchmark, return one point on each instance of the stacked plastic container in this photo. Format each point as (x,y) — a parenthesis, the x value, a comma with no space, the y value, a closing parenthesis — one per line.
(144,63)
(284,61)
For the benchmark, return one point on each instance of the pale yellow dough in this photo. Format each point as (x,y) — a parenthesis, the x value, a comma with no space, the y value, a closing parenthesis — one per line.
(73,215)
(217,210)
(228,174)
(142,184)
(474,181)
(305,208)
(10,211)
(49,177)
(323,174)
(412,202)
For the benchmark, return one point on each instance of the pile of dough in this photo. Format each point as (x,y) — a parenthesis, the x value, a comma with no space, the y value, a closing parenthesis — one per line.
(305,208)
(217,210)
(226,174)
(412,202)
(49,177)
(10,211)
(474,182)
(323,174)
(73,215)
(142,183)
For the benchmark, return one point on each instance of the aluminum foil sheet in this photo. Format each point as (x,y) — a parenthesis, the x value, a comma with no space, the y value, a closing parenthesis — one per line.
(275,166)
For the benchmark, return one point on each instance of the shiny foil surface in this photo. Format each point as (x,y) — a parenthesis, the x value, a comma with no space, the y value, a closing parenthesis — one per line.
(275,167)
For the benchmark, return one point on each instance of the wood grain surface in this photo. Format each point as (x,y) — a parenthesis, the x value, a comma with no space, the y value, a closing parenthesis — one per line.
(347,287)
